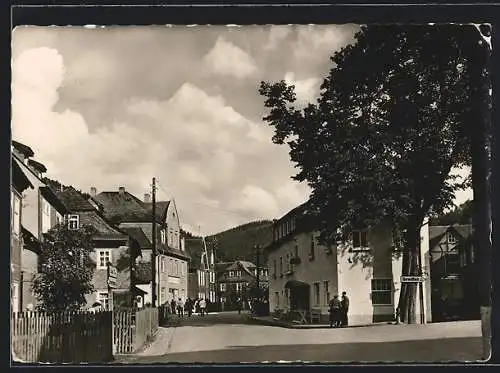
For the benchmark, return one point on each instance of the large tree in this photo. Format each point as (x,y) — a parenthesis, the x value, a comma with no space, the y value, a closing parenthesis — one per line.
(65,269)
(379,144)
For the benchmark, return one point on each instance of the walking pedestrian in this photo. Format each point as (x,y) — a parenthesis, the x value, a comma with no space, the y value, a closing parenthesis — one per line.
(197,306)
(334,310)
(344,308)
(180,308)
(203,306)
(239,305)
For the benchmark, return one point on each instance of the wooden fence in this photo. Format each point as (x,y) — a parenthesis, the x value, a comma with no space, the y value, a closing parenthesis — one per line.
(132,329)
(62,338)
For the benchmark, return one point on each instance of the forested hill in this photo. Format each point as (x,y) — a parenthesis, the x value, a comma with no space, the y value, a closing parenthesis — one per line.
(237,243)
(460,215)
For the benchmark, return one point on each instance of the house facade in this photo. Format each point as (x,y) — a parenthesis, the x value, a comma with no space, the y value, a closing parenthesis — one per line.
(304,275)
(110,245)
(202,276)
(234,280)
(454,273)
(171,267)
(38,209)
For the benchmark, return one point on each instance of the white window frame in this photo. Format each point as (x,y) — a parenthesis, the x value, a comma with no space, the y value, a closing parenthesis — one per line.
(239,286)
(326,292)
(101,253)
(212,277)
(103,298)
(390,290)
(317,293)
(163,235)
(363,246)
(45,207)
(230,274)
(238,273)
(450,238)
(72,219)
(223,286)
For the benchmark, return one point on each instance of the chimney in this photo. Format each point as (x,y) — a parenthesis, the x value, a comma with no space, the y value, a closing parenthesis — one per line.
(93,191)
(147,198)
(121,190)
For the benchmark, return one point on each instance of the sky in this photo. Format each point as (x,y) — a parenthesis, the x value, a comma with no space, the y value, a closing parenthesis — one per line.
(117,106)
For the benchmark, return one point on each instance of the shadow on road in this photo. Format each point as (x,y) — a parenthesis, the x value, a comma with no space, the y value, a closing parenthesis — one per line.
(421,351)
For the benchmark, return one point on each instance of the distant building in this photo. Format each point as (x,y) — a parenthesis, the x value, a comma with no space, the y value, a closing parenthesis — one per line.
(110,245)
(235,279)
(202,276)
(127,211)
(454,273)
(39,210)
(304,275)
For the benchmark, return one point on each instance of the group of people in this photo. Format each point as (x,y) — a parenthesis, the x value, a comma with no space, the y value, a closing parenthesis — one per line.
(338,309)
(198,305)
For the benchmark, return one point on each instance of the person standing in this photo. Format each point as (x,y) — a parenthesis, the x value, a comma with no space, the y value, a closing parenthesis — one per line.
(180,308)
(173,306)
(203,306)
(334,310)
(344,308)
(189,307)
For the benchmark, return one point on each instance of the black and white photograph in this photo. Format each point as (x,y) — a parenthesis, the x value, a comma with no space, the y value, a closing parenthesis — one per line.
(292,193)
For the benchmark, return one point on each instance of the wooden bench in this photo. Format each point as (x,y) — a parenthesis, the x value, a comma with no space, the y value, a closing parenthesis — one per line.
(315,316)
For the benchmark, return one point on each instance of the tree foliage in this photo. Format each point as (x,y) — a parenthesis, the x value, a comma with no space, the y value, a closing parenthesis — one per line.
(379,143)
(65,269)
(459,215)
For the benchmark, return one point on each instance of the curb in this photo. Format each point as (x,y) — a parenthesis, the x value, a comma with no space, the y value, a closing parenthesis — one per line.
(287,325)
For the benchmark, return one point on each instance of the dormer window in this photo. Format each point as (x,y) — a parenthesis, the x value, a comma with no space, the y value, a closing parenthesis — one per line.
(231,274)
(73,222)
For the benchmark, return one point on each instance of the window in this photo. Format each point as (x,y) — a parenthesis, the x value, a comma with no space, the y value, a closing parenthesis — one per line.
(274,267)
(277,299)
(16,213)
(452,264)
(222,287)
(359,240)
(230,274)
(222,299)
(239,286)
(212,277)
(212,296)
(162,295)
(326,293)
(103,257)
(450,238)
(288,264)
(163,235)
(296,248)
(281,265)
(58,219)
(316,293)
(170,237)
(382,291)
(238,273)
(45,207)
(170,266)
(73,222)
(292,225)
(311,251)
(103,298)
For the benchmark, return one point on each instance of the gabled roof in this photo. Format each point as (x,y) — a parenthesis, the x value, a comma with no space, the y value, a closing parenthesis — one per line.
(161,209)
(23,149)
(20,181)
(51,197)
(138,235)
(37,165)
(436,232)
(122,207)
(247,266)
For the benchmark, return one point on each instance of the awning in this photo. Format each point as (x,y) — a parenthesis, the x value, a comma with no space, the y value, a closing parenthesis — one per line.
(139,291)
(296,284)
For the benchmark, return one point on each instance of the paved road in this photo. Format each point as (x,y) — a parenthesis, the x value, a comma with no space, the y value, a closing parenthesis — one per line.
(227,338)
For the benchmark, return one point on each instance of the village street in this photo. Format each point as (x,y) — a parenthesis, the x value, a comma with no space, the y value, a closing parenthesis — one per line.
(228,337)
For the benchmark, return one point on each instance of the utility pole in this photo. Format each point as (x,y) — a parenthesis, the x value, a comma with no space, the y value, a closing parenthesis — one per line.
(153,256)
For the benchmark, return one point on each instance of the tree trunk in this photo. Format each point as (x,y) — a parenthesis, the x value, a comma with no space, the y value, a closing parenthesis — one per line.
(408,296)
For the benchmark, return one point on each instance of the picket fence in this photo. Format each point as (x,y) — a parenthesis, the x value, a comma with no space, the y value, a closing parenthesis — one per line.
(76,337)
(132,329)
(62,338)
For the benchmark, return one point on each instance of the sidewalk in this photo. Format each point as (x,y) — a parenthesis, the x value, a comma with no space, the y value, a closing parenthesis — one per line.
(271,321)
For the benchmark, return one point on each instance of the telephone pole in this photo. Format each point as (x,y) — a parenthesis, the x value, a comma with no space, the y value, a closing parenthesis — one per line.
(153,256)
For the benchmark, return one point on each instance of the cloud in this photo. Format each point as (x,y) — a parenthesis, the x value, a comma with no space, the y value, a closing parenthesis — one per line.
(255,201)
(227,59)
(292,193)
(307,90)
(315,41)
(277,35)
